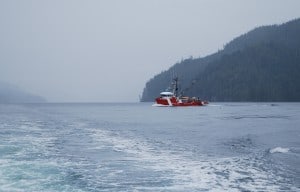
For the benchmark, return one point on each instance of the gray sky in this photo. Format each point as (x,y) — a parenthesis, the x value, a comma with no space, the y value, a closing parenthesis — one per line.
(106,50)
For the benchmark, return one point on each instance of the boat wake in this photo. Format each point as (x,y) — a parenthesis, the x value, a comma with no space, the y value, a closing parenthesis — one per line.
(183,171)
(159,105)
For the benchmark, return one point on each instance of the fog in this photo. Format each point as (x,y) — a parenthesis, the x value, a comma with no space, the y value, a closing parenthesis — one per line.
(105,51)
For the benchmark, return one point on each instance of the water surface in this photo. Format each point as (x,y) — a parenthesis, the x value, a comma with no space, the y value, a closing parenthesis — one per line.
(137,147)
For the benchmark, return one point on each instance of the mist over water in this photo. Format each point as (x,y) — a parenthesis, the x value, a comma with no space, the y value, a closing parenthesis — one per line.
(136,147)
(106,51)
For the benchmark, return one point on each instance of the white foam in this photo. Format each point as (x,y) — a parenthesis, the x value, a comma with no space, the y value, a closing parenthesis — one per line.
(160,105)
(279,150)
(188,174)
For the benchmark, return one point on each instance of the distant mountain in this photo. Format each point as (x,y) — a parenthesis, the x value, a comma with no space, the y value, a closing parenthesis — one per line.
(13,94)
(261,65)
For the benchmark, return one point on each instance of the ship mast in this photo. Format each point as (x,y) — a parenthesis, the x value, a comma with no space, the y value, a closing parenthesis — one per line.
(175,86)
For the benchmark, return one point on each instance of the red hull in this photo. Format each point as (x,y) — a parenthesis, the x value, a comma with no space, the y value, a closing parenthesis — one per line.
(173,101)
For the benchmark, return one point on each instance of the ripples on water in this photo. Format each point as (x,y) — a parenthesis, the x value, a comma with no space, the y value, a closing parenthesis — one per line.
(136,147)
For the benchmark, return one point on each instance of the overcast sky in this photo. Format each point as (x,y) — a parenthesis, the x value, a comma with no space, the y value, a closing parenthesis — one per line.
(106,50)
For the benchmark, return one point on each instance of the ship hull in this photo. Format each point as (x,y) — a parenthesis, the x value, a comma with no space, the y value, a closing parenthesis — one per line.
(175,102)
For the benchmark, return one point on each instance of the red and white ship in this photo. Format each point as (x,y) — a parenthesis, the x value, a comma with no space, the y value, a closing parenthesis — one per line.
(172,99)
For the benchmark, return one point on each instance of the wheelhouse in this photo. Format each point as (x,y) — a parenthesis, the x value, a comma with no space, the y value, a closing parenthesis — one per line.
(166,94)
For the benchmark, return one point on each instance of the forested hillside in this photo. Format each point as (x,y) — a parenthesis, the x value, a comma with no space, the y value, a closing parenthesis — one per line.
(261,65)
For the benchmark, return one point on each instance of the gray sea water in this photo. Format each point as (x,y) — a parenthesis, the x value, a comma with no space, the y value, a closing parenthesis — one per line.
(137,147)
